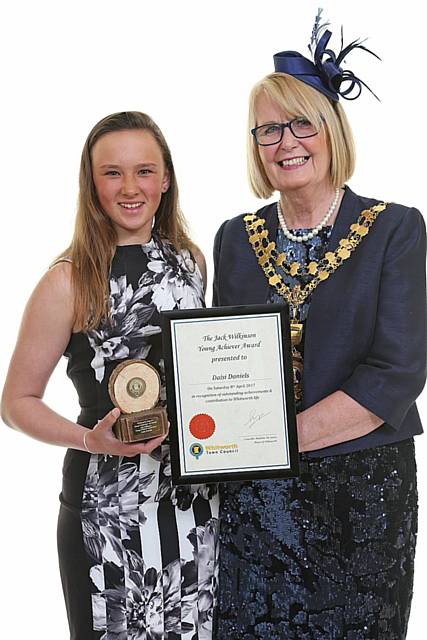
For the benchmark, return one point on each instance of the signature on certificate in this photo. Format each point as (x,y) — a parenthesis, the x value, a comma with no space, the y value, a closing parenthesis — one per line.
(254,418)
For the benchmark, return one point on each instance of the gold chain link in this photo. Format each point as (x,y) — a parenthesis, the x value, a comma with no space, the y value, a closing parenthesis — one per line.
(265,251)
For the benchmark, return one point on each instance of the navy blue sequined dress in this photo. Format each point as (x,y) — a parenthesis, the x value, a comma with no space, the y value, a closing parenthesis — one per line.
(325,556)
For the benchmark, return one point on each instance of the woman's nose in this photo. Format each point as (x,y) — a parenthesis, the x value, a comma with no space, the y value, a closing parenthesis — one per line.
(288,140)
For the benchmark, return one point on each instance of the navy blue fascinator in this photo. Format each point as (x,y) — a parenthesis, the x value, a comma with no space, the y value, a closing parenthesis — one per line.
(325,72)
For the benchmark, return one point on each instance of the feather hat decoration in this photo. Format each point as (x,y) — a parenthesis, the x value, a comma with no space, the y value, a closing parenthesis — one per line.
(325,72)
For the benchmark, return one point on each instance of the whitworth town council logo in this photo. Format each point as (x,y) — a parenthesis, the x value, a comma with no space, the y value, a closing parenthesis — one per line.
(196,450)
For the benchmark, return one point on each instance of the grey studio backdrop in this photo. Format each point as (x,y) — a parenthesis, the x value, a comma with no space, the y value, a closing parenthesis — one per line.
(190,65)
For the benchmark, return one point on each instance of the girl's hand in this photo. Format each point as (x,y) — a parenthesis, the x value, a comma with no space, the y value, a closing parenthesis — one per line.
(101,439)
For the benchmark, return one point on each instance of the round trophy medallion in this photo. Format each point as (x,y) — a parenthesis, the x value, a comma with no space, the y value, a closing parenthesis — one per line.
(134,386)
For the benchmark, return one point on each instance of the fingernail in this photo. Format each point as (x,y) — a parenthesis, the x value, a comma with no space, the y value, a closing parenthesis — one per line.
(115,412)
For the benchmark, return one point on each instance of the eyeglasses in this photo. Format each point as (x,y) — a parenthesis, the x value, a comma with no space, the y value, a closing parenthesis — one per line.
(272,133)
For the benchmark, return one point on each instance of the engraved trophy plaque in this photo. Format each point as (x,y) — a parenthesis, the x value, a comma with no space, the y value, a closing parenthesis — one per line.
(134,387)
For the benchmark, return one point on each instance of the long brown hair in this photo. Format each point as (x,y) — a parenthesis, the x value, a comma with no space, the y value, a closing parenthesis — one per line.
(94,241)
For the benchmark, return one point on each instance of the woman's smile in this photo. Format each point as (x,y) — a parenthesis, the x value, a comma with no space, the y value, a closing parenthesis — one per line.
(290,164)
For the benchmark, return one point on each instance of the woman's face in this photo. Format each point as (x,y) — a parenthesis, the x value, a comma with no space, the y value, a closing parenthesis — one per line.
(293,163)
(130,176)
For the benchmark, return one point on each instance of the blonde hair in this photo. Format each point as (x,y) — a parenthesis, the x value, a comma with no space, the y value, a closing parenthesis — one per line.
(299,99)
(94,241)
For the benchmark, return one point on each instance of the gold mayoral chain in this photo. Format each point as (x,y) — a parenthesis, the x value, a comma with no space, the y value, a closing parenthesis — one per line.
(269,259)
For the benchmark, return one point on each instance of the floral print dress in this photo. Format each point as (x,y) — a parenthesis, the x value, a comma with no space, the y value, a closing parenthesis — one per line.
(138,556)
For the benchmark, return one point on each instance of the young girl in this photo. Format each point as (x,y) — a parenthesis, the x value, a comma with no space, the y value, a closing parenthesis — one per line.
(137,555)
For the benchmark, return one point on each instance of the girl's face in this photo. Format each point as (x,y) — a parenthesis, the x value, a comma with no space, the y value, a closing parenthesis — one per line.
(130,176)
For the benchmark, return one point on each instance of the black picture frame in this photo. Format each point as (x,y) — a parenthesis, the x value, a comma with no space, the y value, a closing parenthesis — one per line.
(171,322)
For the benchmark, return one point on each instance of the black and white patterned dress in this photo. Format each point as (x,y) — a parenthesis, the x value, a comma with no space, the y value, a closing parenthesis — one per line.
(138,557)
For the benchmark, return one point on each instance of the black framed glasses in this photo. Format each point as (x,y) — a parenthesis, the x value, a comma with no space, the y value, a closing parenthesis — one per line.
(272,133)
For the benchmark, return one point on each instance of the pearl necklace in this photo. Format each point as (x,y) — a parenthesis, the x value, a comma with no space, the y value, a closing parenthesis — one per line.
(315,231)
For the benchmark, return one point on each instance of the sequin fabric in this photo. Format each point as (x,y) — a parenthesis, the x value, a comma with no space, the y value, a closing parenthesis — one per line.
(325,556)
(303,253)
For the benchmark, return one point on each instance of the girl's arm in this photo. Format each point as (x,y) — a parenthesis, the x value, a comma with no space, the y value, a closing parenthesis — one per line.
(45,331)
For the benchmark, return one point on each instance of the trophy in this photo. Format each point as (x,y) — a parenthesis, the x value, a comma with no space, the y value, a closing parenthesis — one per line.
(134,387)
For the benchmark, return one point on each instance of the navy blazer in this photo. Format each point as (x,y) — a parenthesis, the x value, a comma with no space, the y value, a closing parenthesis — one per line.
(366,328)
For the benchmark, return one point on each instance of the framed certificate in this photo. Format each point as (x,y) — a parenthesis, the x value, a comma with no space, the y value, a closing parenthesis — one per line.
(229,382)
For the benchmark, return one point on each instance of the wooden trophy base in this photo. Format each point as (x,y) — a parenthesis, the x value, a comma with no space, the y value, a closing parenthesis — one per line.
(141,425)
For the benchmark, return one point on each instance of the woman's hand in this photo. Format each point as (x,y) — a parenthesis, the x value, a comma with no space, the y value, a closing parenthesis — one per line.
(101,439)
(334,419)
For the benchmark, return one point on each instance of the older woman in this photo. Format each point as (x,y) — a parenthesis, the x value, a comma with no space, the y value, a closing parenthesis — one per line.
(137,556)
(330,554)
